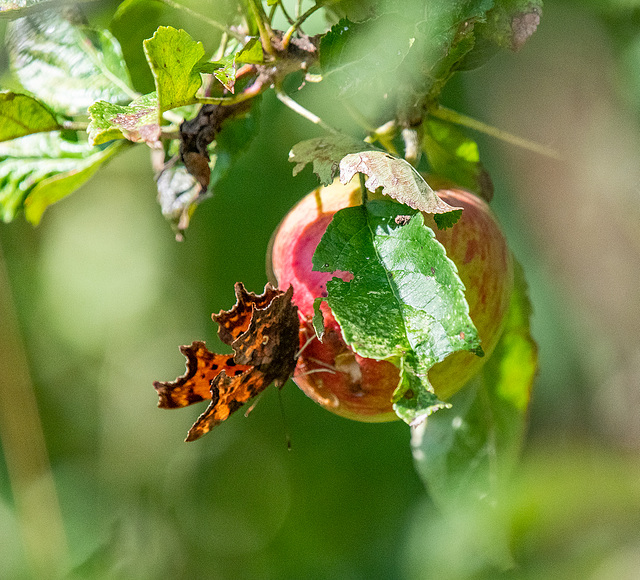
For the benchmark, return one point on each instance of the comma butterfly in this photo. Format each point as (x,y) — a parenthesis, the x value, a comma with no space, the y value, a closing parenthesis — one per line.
(263,332)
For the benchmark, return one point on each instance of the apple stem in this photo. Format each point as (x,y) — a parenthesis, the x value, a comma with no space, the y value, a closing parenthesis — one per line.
(471,123)
(363,189)
(412,145)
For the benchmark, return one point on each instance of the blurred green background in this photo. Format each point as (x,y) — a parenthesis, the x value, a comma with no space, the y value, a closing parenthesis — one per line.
(102,296)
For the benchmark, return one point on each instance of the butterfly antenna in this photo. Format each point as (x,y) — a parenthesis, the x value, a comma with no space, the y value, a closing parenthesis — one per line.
(255,402)
(305,345)
(287,436)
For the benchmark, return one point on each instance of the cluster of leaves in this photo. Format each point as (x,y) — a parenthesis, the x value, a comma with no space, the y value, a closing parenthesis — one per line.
(77,107)
(67,69)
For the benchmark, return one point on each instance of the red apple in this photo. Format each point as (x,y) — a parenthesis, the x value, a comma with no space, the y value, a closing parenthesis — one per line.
(329,372)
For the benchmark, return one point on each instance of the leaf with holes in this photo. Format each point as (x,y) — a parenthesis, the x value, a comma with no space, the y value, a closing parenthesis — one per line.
(137,121)
(405,303)
(397,178)
(325,153)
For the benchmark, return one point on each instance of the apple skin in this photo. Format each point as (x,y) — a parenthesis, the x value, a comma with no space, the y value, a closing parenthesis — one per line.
(329,372)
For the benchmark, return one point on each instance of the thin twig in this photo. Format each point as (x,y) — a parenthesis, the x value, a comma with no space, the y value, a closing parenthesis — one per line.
(297,108)
(286,14)
(460,119)
(286,39)
(263,25)
(273,11)
(239,98)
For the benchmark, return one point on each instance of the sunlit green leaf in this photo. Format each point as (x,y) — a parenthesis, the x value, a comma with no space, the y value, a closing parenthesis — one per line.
(22,115)
(65,65)
(251,53)
(405,303)
(225,69)
(468,451)
(226,74)
(173,57)
(39,170)
(137,121)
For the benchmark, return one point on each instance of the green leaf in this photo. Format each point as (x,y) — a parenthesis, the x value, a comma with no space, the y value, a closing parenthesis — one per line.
(22,115)
(226,74)
(137,121)
(442,40)
(325,153)
(453,155)
(406,55)
(397,178)
(173,57)
(353,58)
(225,69)
(39,170)
(67,66)
(414,399)
(252,53)
(405,303)
(468,451)
(446,220)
